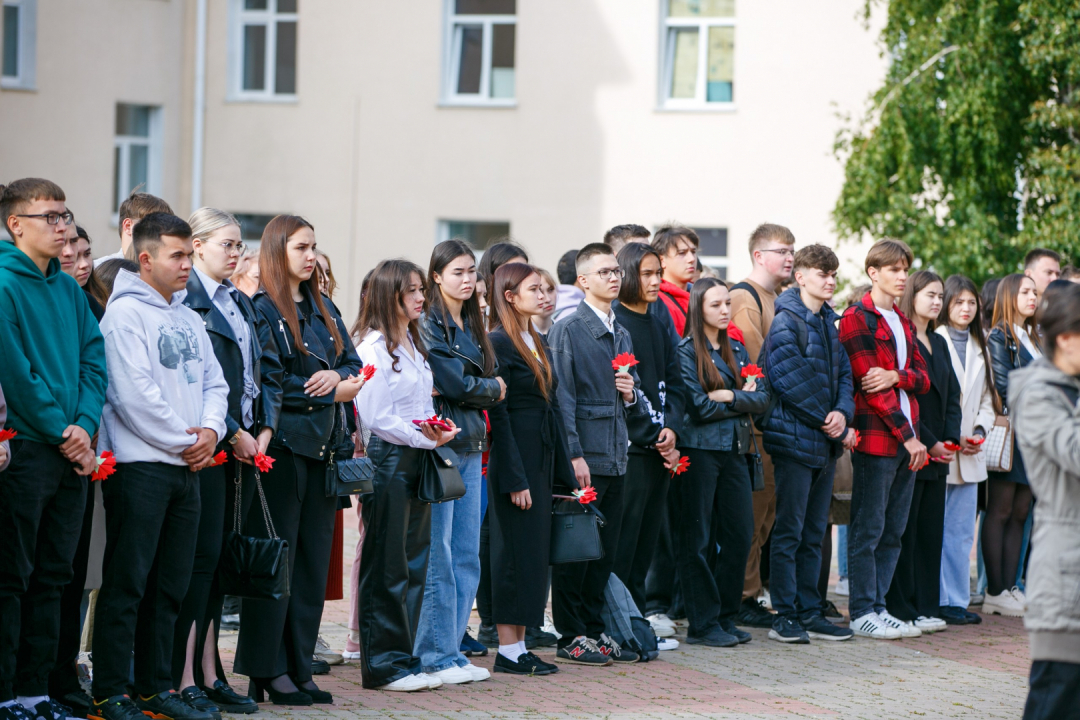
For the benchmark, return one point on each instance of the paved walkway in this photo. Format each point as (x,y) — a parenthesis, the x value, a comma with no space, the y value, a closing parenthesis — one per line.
(969,672)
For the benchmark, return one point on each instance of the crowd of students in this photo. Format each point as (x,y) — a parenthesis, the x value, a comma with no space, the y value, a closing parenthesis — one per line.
(703,421)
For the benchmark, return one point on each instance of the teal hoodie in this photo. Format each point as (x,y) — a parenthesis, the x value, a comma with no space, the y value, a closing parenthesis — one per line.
(52,357)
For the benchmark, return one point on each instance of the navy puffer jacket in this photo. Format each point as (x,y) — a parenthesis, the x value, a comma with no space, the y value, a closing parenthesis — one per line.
(809,382)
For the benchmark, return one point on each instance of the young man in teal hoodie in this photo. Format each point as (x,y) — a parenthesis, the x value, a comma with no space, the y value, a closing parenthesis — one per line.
(53,361)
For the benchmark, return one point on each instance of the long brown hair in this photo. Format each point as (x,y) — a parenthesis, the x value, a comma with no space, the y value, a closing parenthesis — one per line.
(915,285)
(1007,315)
(444,254)
(709,377)
(383,303)
(955,285)
(509,277)
(274,278)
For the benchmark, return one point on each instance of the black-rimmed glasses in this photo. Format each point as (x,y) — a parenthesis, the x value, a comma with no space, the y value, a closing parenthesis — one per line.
(53,218)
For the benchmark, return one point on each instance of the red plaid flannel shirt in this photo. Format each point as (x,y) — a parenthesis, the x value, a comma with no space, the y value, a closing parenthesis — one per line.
(878,417)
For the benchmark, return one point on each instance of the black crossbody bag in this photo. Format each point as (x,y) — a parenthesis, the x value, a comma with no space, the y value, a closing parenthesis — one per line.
(351,476)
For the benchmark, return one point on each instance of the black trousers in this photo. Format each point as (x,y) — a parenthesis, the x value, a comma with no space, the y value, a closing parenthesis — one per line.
(663,593)
(716,487)
(278,637)
(1054,691)
(916,584)
(483,592)
(577,589)
(64,677)
(393,565)
(41,502)
(151,522)
(644,507)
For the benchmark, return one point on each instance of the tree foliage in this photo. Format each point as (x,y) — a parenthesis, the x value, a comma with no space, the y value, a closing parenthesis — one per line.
(969,150)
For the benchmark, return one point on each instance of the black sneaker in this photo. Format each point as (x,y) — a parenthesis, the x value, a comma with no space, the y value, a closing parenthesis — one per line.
(319,666)
(615,651)
(197,699)
(831,612)
(549,668)
(752,613)
(973,618)
(78,701)
(819,628)
(789,630)
(50,709)
(716,638)
(729,627)
(584,652)
(15,711)
(953,615)
(535,637)
(488,636)
(169,706)
(471,648)
(526,664)
(117,707)
(230,701)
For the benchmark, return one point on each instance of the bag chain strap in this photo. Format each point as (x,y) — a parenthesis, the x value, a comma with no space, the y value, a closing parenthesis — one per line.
(262,500)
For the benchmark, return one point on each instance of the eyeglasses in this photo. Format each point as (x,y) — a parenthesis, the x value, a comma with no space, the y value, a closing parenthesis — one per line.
(228,247)
(53,218)
(606,273)
(784,252)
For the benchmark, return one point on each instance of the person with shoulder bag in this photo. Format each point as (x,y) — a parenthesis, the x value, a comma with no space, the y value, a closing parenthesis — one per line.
(463,367)
(318,378)
(1012,343)
(717,485)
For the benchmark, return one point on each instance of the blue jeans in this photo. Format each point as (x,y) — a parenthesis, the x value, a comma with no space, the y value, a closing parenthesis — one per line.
(453,574)
(841,551)
(880,501)
(803,495)
(961,507)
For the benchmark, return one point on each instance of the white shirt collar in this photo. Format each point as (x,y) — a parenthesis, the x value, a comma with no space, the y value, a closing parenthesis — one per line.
(210,284)
(608,319)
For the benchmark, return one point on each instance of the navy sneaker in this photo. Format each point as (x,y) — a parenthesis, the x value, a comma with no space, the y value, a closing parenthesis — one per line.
(953,615)
(789,630)
(753,613)
(717,638)
(169,706)
(470,647)
(583,651)
(729,627)
(819,628)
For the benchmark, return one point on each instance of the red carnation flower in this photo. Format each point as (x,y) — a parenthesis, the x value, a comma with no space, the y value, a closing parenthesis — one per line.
(105,466)
(752,371)
(264,462)
(624,361)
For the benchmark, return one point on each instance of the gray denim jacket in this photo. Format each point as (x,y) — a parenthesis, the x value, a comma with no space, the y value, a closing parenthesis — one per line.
(595,414)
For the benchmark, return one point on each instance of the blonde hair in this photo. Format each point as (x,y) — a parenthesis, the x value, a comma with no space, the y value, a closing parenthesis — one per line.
(206,220)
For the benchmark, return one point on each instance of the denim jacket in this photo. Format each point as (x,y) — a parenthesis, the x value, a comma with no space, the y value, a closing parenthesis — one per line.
(594,412)
(711,425)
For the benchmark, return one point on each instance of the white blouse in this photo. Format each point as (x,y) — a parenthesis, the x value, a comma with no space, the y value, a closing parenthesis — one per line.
(390,401)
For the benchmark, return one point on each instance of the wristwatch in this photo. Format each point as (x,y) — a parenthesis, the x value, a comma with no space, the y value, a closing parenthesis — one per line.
(235,438)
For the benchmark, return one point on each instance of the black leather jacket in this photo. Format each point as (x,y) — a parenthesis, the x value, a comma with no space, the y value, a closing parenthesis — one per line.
(457,366)
(265,365)
(1006,355)
(309,426)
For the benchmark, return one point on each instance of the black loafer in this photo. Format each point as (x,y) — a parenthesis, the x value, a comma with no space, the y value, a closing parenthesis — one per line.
(197,699)
(227,699)
(319,666)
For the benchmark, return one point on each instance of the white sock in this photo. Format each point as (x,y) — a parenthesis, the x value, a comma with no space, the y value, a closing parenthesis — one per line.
(510,652)
(31,701)
(521,647)
(7,703)
(354,635)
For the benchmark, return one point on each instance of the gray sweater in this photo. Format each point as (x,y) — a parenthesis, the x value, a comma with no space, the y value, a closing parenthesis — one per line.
(1046,420)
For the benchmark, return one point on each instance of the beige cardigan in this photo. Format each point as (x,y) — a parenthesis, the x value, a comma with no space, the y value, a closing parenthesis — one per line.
(976,405)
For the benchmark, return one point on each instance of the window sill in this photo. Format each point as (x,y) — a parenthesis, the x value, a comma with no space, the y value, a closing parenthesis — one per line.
(698,108)
(458,103)
(264,99)
(15,84)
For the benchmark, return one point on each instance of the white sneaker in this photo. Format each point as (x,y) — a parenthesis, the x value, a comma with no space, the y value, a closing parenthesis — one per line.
(766,599)
(842,587)
(872,626)
(432,681)
(1020,596)
(661,630)
(410,683)
(347,655)
(930,624)
(667,644)
(660,619)
(906,629)
(1004,604)
(479,674)
(549,626)
(325,653)
(453,675)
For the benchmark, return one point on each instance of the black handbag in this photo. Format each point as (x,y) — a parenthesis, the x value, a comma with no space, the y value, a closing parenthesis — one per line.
(251,567)
(352,476)
(575,532)
(440,480)
(753,462)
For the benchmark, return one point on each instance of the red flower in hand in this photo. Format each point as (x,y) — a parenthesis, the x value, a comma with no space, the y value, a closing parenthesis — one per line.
(681,466)
(624,361)
(585,496)
(367,371)
(264,462)
(6,434)
(927,461)
(952,447)
(858,437)
(752,371)
(105,466)
(219,459)
(976,440)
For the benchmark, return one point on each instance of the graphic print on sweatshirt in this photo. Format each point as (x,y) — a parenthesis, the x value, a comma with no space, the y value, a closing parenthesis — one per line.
(656,416)
(177,346)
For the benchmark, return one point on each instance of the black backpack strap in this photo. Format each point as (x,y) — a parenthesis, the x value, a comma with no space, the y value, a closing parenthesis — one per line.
(750,289)
(870,319)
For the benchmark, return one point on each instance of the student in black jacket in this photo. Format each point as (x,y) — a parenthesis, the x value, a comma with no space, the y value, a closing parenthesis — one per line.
(914,596)
(319,365)
(652,452)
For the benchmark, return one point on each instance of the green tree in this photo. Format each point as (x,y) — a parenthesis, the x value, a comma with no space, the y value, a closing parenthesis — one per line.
(968,151)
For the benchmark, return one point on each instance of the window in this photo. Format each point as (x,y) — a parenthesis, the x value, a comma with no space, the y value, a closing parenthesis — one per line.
(252,226)
(137,152)
(480,52)
(262,53)
(713,249)
(699,54)
(18,47)
(480,235)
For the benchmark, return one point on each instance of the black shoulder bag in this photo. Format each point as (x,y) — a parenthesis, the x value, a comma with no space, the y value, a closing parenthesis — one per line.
(753,462)
(440,480)
(575,532)
(351,476)
(251,567)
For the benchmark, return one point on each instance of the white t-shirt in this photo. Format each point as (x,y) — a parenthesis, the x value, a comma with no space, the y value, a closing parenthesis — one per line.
(900,340)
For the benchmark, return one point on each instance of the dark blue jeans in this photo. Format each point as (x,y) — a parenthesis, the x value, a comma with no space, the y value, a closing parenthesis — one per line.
(1054,691)
(803,495)
(880,501)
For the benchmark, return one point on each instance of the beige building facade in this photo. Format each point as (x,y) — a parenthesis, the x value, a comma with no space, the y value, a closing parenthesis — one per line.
(392,125)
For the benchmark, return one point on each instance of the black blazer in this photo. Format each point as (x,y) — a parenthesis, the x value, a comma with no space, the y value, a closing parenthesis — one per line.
(265,366)
(939,407)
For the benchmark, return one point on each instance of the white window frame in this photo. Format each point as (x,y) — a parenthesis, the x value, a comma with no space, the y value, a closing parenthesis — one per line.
(153,161)
(715,261)
(27,77)
(452,59)
(668,25)
(239,17)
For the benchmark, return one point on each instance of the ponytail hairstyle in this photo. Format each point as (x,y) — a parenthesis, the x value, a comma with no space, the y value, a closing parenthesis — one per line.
(384,302)
(274,278)
(955,285)
(709,377)
(508,278)
(444,254)
(1007,315)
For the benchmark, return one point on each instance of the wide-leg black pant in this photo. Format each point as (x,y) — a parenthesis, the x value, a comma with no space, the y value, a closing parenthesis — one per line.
(64,677)
(916,584)
(393,564)
(277,637)
(644,508)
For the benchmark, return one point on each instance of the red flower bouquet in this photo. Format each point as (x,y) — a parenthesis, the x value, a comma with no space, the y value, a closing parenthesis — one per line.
(623,362)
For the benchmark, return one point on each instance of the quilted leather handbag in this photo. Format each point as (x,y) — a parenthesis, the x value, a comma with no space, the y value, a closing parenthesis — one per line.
(253,567)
